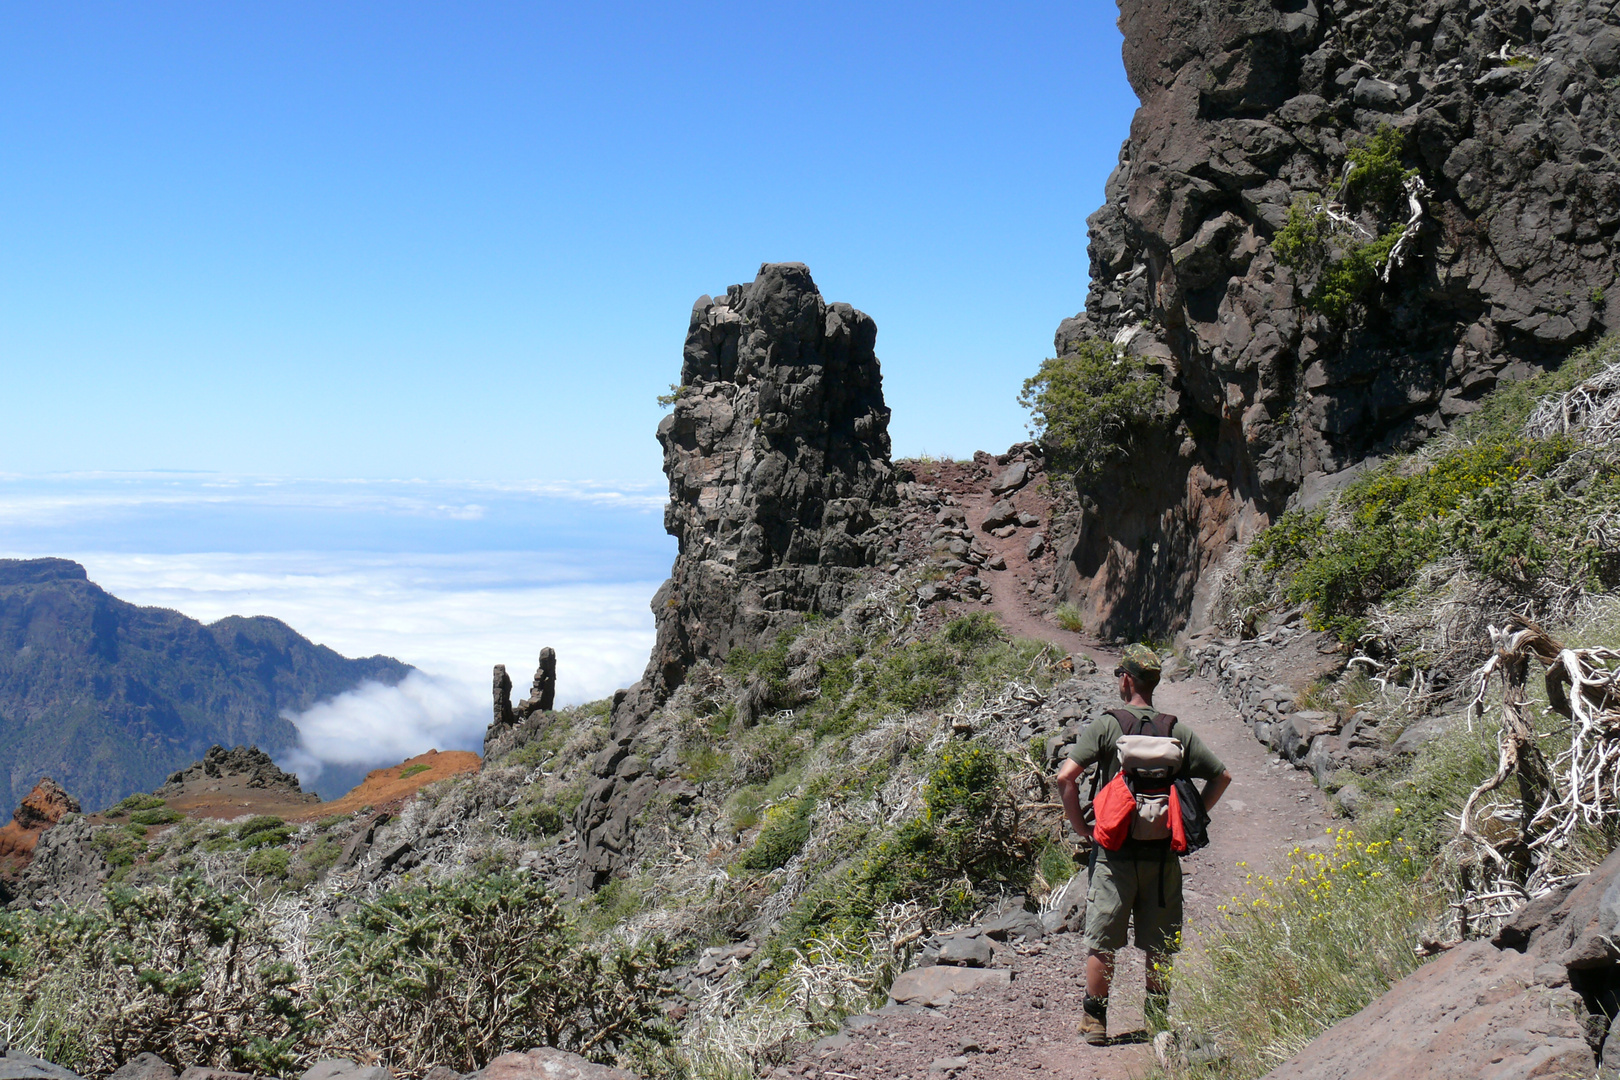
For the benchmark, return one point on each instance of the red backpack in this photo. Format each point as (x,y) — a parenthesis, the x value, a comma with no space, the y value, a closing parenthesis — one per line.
(1144,801)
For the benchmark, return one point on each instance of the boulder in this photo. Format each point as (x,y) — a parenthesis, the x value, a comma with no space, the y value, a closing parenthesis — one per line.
(1002,514)
(144,1067)
(66,868)
(15,1065)
(344,1069)
(966,952)
(939,986)
(1012,478)
(546,1063)
(1441,1023)
(1016,924)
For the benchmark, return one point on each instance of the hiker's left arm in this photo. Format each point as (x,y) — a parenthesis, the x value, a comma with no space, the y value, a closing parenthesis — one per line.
(1068,783)
(1203,765)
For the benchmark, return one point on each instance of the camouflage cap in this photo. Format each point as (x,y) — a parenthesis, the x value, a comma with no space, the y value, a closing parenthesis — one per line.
(1140,663)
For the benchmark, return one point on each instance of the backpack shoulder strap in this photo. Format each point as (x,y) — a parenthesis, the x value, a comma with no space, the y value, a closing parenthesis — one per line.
(1127,720)
(1160,724)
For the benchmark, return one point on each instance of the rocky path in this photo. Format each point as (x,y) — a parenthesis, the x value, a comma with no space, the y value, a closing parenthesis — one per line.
(1028,1027)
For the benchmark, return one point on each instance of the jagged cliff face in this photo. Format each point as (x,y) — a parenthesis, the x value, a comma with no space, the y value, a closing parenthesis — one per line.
(1511,112)
(777,453)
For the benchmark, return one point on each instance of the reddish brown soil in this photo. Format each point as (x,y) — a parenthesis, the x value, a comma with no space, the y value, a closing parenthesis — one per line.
(233,798)
(1029,1028)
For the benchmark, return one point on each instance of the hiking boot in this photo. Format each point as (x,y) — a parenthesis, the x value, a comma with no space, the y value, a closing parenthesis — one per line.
(1094,1024)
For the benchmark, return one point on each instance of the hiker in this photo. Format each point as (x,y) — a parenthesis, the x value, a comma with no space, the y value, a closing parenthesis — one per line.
(1141,825)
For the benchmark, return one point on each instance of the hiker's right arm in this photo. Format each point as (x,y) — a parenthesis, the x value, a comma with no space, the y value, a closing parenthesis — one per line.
(1068,782)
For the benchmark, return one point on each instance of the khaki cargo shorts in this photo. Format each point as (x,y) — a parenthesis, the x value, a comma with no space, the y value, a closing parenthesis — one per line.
(1125,888)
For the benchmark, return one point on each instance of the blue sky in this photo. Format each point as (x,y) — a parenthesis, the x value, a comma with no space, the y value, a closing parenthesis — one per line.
(284,283)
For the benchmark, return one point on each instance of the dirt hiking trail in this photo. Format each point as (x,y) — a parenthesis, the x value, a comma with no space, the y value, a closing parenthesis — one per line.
(1029,1027)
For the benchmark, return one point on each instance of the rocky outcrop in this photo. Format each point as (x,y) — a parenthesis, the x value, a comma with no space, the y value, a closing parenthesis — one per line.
(1539,999)
(243,767)
(1507,110)
(506,730)
(777,453)
(40,809)
(66,868)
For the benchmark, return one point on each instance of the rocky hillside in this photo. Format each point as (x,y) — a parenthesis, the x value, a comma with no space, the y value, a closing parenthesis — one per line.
(110,698)
(1334,226)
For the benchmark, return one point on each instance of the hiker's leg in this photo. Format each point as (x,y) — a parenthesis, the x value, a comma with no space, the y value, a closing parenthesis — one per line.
(1108,906)
(1108,915)
(1158,927)
(1099,973)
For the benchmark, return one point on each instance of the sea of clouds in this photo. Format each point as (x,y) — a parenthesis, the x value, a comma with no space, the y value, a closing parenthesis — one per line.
(451,578)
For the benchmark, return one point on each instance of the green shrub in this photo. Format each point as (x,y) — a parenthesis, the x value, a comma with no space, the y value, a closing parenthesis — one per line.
(269,863)
(538,819)
(457,973)
(1341,264)
(1378,175)
(1056,864)
(1297,954)
(1085,405)
(415,770)
(262,831)
(1489,497)
(1070,618)
(179,970)
(320,857)
(133,803)
(787,827)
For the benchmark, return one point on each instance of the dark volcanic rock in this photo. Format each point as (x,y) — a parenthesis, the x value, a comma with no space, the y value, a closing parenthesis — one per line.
(110,698)
(1247,107)
(249,766)
(777,453)
(1536,1001)
(66,868)
(19,1066)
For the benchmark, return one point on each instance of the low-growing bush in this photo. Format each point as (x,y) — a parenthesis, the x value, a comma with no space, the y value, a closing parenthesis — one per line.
(133,803)
(787,827)
(269,863)
(1516,511)
(262,831)
(457,973)
(180,970)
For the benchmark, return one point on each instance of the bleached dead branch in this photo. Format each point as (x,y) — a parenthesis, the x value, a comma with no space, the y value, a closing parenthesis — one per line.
(1590,411)
(1516,851)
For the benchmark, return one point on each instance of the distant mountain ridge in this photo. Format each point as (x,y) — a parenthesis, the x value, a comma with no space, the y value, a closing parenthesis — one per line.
(111,698)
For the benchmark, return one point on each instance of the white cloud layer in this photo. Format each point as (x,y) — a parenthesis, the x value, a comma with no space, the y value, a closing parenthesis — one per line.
(376,725)
(452,616)
(450,577)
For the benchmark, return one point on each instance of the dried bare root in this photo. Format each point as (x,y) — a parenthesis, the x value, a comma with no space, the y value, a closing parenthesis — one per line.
(1515,848)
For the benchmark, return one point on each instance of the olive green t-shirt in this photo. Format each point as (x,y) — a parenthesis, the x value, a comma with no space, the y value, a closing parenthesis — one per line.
(1101,736)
